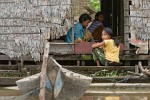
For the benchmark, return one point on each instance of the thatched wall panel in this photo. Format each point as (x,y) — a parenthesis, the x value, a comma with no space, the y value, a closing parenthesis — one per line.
(24,23)
(140,24)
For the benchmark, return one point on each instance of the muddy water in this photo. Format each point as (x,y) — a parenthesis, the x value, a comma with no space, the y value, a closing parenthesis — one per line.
(113,97)
(8,93)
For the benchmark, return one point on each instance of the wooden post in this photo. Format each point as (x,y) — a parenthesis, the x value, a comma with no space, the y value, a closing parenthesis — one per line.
(83,63)
(145,71)
(78,62)
(148,63)
(140,66)
(126,27)
(21,62)
(19,65)
(9,62)
(72,24)
(136,69)
(43,72)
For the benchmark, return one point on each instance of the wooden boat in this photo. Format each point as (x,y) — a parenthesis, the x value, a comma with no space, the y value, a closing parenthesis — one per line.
(67,84)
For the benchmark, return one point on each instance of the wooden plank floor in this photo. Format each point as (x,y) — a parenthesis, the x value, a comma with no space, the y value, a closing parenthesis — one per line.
(76,56)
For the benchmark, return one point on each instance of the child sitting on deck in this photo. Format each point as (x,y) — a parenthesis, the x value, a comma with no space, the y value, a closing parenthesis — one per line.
(107,50)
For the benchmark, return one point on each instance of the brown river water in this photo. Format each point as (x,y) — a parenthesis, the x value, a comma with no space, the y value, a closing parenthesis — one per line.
(111,97)
(6,93)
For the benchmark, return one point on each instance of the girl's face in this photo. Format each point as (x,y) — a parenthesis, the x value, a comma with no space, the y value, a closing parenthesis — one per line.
(86,23)
(105,36)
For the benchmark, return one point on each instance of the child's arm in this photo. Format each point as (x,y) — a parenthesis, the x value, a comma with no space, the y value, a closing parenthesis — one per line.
(101,44)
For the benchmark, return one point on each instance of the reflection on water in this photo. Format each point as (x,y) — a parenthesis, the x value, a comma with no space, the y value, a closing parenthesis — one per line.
(8,93)
(116,97)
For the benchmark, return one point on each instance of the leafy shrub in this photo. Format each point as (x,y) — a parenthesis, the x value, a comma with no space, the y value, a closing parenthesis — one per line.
(95,4)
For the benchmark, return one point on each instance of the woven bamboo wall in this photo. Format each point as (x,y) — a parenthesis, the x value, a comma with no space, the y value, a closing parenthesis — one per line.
(137,24)
(24,25)
(140,24)
(140,19)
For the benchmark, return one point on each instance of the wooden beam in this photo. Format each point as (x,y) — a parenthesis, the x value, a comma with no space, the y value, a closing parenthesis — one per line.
(136,57)
(5,57)
(43,72)
(120,80)
(8,67)
(8,81)
(34,67)
(102,67)
(74,57)
(9,71)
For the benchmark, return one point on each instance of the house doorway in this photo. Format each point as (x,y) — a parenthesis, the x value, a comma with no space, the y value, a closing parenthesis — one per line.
(114,15)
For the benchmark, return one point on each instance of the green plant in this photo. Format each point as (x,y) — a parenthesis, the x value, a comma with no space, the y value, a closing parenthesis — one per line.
(95,4)
(106,73)
(112,74)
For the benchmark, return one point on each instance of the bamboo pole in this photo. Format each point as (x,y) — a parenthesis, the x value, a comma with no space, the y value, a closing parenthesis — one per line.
(140,66)
(72,23)
(43,72)
(136,69)
(145,71)
(129,72)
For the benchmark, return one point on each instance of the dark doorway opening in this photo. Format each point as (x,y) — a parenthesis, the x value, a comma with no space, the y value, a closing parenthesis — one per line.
(114,15)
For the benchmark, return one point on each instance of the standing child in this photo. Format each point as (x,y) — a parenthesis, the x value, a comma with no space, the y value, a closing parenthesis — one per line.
(107,50)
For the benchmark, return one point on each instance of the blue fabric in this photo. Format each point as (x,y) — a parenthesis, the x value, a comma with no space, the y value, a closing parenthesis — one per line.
(48,84)
(94,25)
(78,33)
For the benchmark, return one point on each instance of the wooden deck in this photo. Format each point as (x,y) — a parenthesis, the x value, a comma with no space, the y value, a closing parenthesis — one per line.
(75,62)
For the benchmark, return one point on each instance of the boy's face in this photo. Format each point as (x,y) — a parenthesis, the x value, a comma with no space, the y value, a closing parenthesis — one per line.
(86,23)
(101,18)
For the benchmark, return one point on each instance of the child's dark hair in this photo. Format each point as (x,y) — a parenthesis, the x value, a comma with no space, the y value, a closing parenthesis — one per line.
(110,33)
(98,14)
(84,17)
